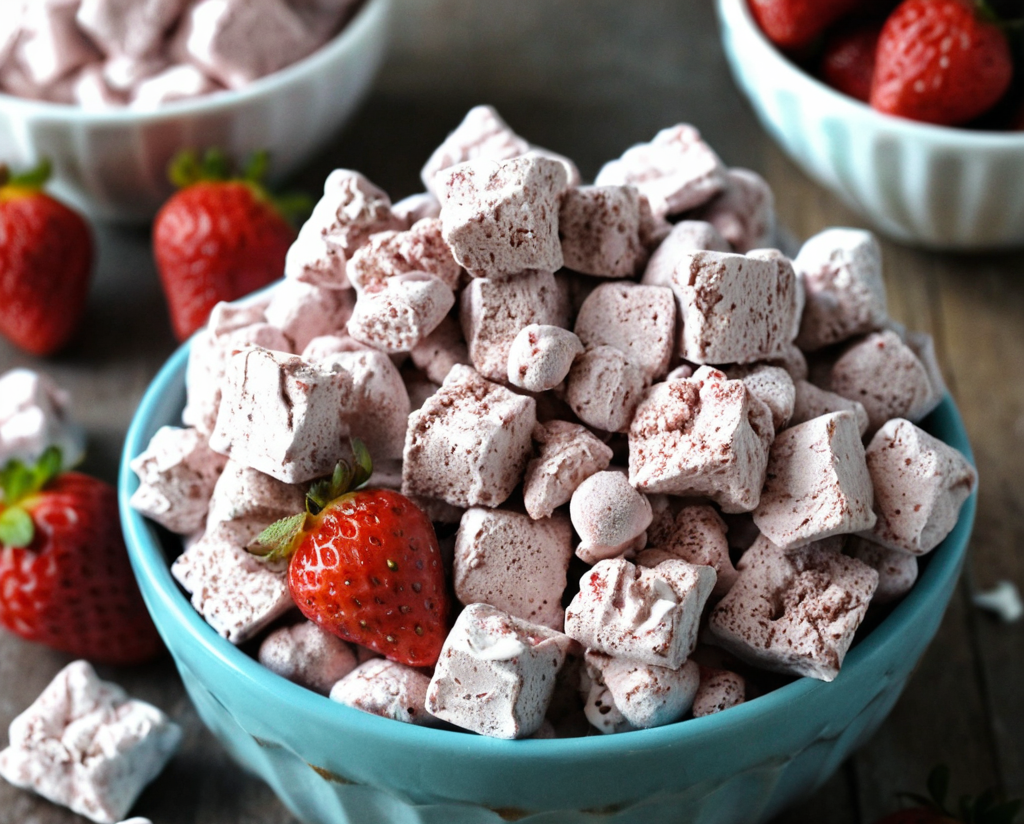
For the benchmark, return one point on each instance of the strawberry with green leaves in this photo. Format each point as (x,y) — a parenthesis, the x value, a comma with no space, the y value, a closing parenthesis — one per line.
(365,565)
(933,809)
(65,578)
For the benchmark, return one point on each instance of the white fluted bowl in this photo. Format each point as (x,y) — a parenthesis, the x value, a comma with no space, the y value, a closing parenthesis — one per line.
(112,165)
(933,186)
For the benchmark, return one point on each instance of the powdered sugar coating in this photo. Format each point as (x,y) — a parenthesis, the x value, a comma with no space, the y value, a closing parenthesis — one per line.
(244,501)
(540,357)
(179,82)
(567,455)
(744,213)
(51,46)
(399,312)
(810,402)
(307,655)
(599,227)
(718,690)
(897,570)
(388,689)
(419,249)
(686,236)
(773,386)
(641,695)
(439,351)
(303,312)
(610,516)
(351,210)
(604,389)
(128,27)
(696,533)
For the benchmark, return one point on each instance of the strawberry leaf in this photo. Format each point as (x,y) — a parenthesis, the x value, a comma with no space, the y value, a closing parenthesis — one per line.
(277,541)
(364,464)
(16,528)
(19,480)
(32,179)
(184,169)
(256,167)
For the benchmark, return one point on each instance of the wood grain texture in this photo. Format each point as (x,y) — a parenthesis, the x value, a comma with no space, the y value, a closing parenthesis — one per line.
(588,80)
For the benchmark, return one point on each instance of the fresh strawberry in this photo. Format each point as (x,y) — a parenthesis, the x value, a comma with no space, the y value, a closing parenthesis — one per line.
(932,809)
(65,579)
(939,62)
(793,24)
(848,63)
(365,565)
(219,238)
(45,264)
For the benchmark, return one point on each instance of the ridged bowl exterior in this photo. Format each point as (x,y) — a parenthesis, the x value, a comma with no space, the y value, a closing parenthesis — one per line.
(113,165)
(331,764)
(933,186)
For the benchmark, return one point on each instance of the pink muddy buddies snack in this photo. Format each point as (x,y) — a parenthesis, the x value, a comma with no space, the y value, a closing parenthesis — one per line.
(181,82)
(51,46)
(704,435)
(419,249)
(773,386)
(496,673)
(411,210)
(501,219)
(640,321)
(469,443)
(744,214)
(540,357)
(649,616)
(280,414)
(34,415)
(920,484)
(810,402)
(599,227)
(397,314)
(735,308)
(793,361)
(245,501)
(897,570)
(388,689)
(719,690)
(124,73)
(568,454)
(314,259)
(439,351)
(92,92)
(817,483)
(128,27)
(794,612)
(177,473)
(307,655)
(686,236)
(841,270)
(493,312)
(84,744)
(886,377)
(676,171)
(626,695)
(514,563)
(696,533)
(304,312)
(610,517)
(604,389)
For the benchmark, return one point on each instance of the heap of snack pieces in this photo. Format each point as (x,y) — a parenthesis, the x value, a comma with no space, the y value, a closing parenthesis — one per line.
(103,54)
(563,372)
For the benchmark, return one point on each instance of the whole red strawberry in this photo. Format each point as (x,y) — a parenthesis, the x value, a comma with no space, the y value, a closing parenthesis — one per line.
(986,808)
(939,62)
(65,578)
(366,566)
(219,238)
(848,63)
(793,24)
(45,264)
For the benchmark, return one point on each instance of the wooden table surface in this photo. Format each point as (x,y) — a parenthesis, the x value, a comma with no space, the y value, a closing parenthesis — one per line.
(587,80)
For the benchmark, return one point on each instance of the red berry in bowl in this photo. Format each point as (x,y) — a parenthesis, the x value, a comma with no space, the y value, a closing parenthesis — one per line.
(793,24)
(848,63)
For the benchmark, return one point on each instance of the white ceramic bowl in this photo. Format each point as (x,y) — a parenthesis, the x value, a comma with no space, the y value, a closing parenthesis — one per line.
(933,186)
(112,165)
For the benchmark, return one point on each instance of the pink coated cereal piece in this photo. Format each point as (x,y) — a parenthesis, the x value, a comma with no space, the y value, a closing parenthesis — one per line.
(51,45)
(719,690)
(496,673)
(704,435)
(128,27)
(886,377)
(245,501)
(501,219)
(540,357)
(841,270)
(811,402)
(923,346)
(399,313)
(177,473)
(482,134)
(696,533)
(180,82)
(642,695)
(744,214)
(419,249)
(640,321)
(84,744)
(469,443)
(307,655)
(773,386)
(649,616)
(91,91)
(897,570)
(686,236)
(567,456)
(439,351)
(314,258)
(599,227)
(797,298)
(676,171)
(124,73)
(34,415)
(304,312)
(280,414)
(388,689)
(610,516)
(817,483)
(514,563)
(734,308)
(794,613)
(411,210)
(920,484)
(492,312)
(604,389)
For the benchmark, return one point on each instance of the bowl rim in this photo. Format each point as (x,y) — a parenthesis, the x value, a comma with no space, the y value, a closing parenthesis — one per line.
(153,570)
(736,14)
(355,29)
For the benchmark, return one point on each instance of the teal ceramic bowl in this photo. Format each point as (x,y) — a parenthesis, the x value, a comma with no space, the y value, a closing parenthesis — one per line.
(332,764)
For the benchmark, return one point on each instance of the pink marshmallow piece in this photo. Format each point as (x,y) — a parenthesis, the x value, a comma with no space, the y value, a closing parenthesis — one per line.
(773,386)
(92,92)
(696,533)
(610,516)
(388,689)
(123,73)
(245,501)
(568,454)
(439,351)
(686,236)
(604,389)
(599,227)
(419,249)
(414,208)
(641,695)
(128,27)
(897,570)
(397,314)
(304,312)
(307,655)
(181,82)
(744,213)
(718,691)
(810,402)
(541,356)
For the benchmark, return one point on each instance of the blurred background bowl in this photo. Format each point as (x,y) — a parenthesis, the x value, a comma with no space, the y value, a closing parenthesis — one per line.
(933,186)
(332,764)
(112,165)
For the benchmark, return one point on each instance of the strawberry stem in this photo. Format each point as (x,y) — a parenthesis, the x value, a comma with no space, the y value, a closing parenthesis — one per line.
(19,480)
(34,178)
